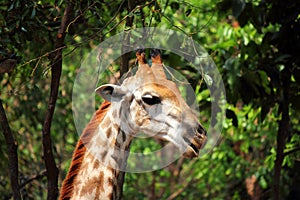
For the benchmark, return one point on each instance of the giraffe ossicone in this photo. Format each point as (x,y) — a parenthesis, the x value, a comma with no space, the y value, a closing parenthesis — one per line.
(146,102)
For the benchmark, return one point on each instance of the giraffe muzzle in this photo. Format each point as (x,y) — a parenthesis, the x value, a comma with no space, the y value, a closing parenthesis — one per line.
(196,143)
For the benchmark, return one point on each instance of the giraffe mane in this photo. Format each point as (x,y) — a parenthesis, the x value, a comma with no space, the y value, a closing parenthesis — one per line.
(80,150)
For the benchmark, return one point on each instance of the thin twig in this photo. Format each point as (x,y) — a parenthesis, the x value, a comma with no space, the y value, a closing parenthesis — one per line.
(60,48)
(29,180)
(80,15)
(44,55)
(32,178)
(179,28)
(105,26)
(173,77)
(125,17)
(201,67)
(184,185)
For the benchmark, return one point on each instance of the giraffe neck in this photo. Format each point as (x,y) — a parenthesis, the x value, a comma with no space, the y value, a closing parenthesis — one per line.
(100,174)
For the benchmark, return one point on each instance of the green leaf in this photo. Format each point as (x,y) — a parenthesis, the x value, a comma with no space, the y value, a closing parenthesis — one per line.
(263,183)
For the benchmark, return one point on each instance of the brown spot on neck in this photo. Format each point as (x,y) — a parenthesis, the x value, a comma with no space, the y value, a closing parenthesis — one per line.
(108,132)
(96,164)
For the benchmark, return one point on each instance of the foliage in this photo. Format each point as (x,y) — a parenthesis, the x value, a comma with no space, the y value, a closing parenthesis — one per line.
(253,43)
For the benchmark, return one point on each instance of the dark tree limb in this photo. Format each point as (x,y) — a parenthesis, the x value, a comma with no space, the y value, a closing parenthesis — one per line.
(292,151)
(56,68)
(282,133)
(12,147)
(38,176)
(126,40)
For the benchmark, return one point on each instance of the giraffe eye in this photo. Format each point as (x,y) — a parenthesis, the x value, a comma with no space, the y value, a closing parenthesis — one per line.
(150,99)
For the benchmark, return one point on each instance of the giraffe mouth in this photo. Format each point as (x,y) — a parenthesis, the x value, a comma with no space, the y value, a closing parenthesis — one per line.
(195,144)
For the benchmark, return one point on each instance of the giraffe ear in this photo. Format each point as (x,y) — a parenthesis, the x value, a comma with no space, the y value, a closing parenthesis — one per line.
(110,92)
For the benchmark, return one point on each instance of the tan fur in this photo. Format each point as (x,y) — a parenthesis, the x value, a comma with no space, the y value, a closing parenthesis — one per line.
(106,139)
(78,155)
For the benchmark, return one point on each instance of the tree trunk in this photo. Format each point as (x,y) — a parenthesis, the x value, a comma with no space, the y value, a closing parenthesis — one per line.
(282,132)
(56,68)
(12,147)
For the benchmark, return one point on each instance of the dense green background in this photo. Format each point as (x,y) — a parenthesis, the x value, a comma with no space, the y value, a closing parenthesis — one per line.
(255,45)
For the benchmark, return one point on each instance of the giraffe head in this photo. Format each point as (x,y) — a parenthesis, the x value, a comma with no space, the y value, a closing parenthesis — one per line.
(147,102)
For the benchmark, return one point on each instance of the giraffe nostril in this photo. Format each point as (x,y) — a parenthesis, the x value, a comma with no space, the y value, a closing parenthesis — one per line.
(201,130)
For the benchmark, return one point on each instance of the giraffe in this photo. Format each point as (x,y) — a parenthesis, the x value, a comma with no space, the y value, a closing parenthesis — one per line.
(145,102)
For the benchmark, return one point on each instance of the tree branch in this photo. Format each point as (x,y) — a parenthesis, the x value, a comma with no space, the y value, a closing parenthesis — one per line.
(34,177)
(184,185)
(12,147)
(56,68)
(292,151)
(29,180)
